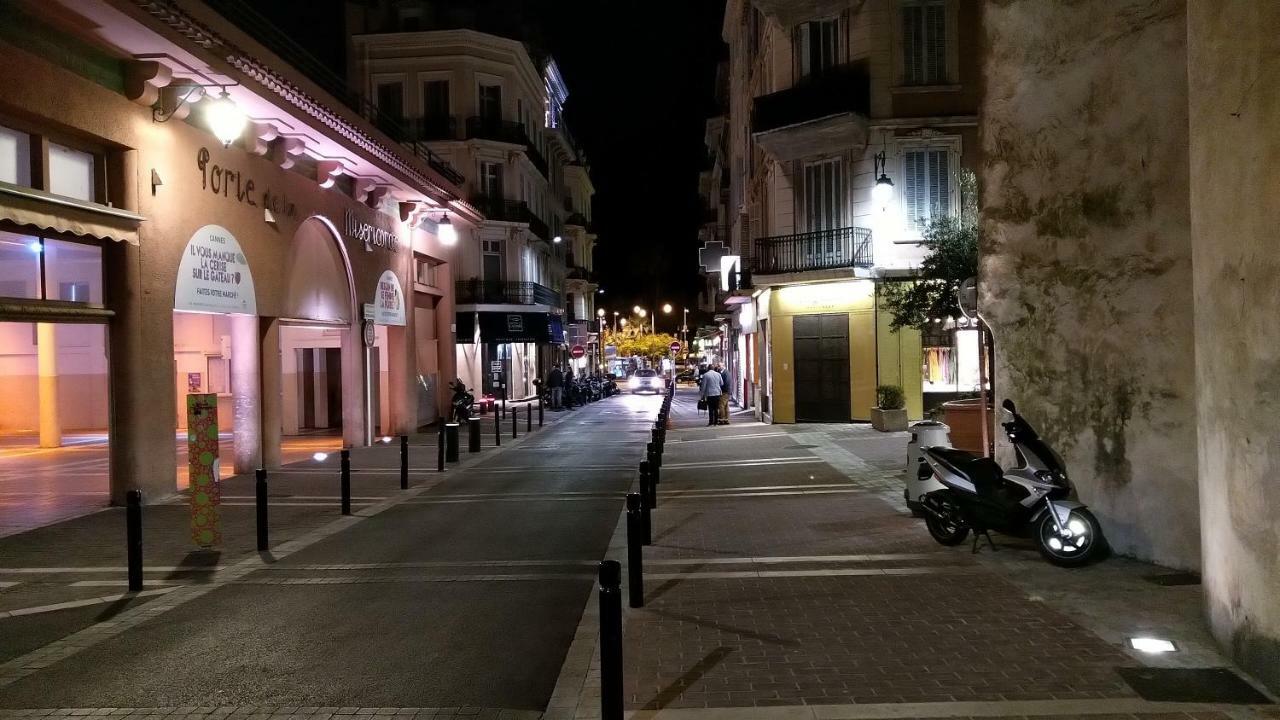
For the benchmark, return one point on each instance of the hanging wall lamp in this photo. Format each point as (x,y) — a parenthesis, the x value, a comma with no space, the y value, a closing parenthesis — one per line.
(224,119)
(445,230)
(882,193)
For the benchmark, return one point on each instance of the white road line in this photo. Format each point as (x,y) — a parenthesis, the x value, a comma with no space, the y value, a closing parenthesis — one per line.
(8,584)
(81,603)
(111,583)
(745,463)
(388,579)
(783,559)
(742,488)
(832,572)
(745,436)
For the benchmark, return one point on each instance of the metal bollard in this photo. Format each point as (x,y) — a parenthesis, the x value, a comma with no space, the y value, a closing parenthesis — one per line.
(440,448)
(497,429)
(451,442)
(635,551)
(515,431)
(133,537)
(404,462)
(473,435)
(655,471)
(528,418)
(346,481)
(610,640)
(540,404)
(646,507)
(260,488)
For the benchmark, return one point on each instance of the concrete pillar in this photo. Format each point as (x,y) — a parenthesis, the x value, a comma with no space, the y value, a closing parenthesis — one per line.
(354,432)
(446,343)
(401,380)
(272,391)
(246,388)
(47,357)
(319,387)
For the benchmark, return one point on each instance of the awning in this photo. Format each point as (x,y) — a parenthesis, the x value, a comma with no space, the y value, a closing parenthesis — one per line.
(504,327)
(46,211)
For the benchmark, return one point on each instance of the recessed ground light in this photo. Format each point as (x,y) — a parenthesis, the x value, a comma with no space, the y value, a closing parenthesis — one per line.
(1152,645)
(386,439)
(320,457)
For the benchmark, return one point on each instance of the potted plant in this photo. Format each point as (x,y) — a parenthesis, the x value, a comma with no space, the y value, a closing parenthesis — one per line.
(889,414)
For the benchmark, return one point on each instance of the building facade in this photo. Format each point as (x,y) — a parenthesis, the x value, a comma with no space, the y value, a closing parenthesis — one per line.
(830,104)
(191,216)
(493,106)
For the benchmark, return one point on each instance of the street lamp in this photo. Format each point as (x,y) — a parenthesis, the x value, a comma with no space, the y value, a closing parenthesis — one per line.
(615,320)
(446,232)
(882,193)
(225,119)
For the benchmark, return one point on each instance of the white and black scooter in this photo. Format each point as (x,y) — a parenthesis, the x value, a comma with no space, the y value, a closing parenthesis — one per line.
(1035,499)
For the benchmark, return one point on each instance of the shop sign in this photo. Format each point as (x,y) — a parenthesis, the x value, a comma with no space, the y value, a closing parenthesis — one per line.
(214,275)
(234,184)
(371,235)
(388,304)
(515,323)
(367,309)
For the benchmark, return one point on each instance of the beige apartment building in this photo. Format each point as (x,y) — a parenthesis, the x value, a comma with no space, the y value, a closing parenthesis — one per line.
(847,127)
(492,105)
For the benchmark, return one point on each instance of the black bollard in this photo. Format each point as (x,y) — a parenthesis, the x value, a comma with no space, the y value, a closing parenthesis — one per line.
(440,448)
(451,442)
(404,462)
(540,404)
(260,487)
(473,435)
(610,640)
(497,429)
(646,508)
(635,551)
(528,418)
(515,430)
(345,481)
(133,537)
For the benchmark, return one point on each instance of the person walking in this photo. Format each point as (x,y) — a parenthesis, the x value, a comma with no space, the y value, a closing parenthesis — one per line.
(710,388)
(555,382)
(724,395)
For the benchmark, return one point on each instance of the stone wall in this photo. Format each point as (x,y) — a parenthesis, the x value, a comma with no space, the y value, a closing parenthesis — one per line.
(1233,57)
(1086,262)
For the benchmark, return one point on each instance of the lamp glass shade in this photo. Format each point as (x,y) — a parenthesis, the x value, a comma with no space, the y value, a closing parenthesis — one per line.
(446,232)
(225,120)
(883,191)
(556,239)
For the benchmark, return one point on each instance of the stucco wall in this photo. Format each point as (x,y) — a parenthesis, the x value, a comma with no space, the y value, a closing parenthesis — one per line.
(1235,169)
(1086,263)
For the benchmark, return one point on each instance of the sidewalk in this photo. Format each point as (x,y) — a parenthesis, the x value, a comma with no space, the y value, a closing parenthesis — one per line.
(786,580)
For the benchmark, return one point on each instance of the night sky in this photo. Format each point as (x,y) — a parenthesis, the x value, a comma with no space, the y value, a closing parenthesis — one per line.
(641,78)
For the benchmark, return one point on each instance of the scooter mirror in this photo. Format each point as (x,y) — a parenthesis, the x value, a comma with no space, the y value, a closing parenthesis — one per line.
(1008,405)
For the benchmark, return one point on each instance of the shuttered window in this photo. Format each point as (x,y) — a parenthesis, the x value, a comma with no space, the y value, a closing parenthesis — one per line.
(924,42)
(816,46)
(823,195)
(927,187)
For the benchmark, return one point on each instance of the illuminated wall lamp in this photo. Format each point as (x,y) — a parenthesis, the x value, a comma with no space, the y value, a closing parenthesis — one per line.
(882,193)
(1152,645)
(445,230)
(225,120)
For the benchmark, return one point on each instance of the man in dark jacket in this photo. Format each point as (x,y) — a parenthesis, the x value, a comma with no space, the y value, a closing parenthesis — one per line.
(555,382)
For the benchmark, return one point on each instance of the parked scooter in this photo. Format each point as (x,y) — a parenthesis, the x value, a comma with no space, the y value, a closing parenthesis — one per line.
(1034,499)
(460,406)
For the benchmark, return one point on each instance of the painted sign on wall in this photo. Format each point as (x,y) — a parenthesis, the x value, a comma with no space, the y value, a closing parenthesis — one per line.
(202,463)
(388,303)
(371,235)
(214,275)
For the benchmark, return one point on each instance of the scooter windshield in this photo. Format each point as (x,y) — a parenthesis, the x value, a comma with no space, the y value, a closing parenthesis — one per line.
(1028,442)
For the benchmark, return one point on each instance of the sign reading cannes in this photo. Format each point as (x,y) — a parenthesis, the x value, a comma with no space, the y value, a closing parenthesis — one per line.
(214,275)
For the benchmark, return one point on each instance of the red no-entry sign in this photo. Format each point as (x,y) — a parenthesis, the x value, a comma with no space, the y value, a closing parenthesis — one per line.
(675,346)
(577,351)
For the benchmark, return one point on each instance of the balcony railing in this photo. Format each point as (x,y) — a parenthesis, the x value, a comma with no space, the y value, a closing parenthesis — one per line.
(487,128)
(504,292)
(501,209)
(841,89)
(819,250)
(539,228)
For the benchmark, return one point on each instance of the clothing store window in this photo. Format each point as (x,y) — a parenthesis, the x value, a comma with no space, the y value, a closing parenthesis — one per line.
(927,184)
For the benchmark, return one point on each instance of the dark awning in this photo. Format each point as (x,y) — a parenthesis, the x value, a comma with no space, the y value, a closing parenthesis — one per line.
(505,327)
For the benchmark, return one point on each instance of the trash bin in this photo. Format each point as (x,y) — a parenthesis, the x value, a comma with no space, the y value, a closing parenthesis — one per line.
(920,478)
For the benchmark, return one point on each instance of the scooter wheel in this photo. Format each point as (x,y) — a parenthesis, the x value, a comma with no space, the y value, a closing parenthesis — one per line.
(948,530)
(1080,544)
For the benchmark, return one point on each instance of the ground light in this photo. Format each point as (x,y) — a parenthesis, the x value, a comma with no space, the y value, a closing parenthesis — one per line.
(320,457)
(1152,645)
(386,439)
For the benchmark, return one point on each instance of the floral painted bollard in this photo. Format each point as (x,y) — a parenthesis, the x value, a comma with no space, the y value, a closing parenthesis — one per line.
(202,457)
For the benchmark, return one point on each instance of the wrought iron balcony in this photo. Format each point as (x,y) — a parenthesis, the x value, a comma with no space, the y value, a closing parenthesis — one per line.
(539,228)
(819,250)
(823,112)
(501,209)
(487,128)
(504,292)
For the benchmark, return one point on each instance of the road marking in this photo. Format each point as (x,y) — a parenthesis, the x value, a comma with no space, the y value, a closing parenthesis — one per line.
(434,564)
(829,572)
(746,436)
(111,583)
(793,460)
(782,559)
(740,488)
(8,584)
(82,603)
(776,493)
(388,579)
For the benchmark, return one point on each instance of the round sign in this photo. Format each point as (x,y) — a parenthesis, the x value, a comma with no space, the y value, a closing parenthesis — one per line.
(675,346)
(577,351)
(370,333)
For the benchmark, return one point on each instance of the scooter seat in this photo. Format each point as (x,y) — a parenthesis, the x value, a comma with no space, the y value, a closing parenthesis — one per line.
(983,472)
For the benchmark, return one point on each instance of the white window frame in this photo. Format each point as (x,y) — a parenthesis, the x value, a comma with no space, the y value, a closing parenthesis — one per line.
(482,177)
(802,44)
(949,144)
(842,194)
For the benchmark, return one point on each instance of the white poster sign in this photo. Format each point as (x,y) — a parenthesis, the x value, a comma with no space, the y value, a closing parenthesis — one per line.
(214,275)
(388,304)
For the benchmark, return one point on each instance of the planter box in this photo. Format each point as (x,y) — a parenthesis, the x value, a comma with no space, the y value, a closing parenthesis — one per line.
(889,420)
(965,418)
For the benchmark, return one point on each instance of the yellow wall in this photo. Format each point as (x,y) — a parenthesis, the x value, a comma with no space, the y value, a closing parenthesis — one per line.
(901,357)
(784,378)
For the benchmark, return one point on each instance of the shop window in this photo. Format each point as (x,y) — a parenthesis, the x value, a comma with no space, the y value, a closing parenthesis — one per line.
(15,157)
(73,269)
(19,266)
(71,173)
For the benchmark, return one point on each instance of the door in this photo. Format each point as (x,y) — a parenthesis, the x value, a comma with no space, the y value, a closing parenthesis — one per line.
(490,103)
(821,345)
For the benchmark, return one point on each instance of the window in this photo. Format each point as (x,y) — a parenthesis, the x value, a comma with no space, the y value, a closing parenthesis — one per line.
(435,99)
(816,46)
(491,102)
(824,195)
(15,157)
(491,179)
(924,42)
(426,271)
(391,99)
(491,260)
(34,268)
(927,184)
(70,173)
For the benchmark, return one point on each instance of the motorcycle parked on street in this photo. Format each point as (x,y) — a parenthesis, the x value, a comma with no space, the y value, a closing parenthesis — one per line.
(1035,499)
(462,402)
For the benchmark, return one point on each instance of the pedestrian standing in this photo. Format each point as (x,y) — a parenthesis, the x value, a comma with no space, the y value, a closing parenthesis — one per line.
(724,395)
(710,388)
(555,381)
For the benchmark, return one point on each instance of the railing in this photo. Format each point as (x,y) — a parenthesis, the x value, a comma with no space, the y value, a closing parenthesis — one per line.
(431,128)
(508,131)
(501,209)
(844,88)
(577,219)
(276,40)
(819,250)
(504,292)
(539,228)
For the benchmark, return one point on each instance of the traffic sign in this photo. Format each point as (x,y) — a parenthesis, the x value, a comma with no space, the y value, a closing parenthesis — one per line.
(577,351)
(675,346)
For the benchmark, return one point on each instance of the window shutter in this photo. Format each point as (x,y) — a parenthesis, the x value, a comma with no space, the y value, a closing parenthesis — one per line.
(935,22)
(939,183)
(914,192)
(912,73)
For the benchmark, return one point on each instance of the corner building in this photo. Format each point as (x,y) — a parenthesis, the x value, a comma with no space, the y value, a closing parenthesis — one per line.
(297,272)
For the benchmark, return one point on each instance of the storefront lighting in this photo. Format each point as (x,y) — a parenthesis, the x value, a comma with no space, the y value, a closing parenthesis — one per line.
(225,119)
(882,193)
(1152,645)
(386,439)
(446,232)
(35,246)
(320,457)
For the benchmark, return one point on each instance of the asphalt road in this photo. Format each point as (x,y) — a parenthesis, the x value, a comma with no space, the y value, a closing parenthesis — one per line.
(478,587)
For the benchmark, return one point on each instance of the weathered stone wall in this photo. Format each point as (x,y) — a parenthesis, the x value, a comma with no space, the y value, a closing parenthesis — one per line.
(1086,263)
(1233,58)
